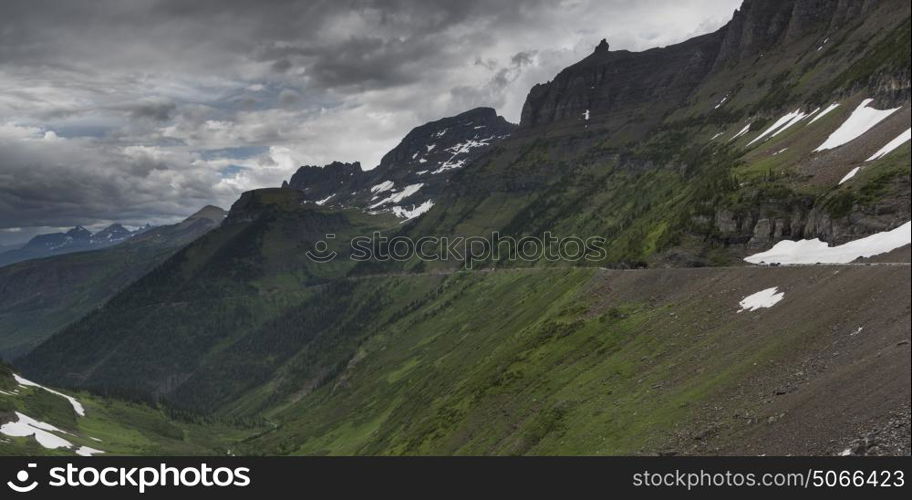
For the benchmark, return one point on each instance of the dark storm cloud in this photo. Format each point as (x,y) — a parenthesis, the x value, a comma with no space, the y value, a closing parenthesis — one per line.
(156,110)
(130,111)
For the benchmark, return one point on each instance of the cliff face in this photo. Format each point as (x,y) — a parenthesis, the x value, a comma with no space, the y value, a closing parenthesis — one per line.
(760,25)
(319,182)
(610,88)
(607,85)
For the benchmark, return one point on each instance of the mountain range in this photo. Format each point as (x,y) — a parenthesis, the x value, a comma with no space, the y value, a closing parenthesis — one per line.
(77,239)
(784,135)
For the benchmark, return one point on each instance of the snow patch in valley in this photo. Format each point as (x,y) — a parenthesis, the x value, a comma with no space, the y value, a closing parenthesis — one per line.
(823,113)
(25,426)
(717,135)
(860,121)
(818,252)
(895,143)
(77,406)
(762,299)
(850,174)
(28,426)
(85,451)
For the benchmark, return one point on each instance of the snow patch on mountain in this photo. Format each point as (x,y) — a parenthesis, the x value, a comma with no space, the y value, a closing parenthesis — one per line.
(741,132)
(324,200)
(717,106)
(890,146)
(85,451)
(818,252)
(415,211)
(462,148)
(781,125)
(383,186)
(823,113)
(860,121)
(77,406)
(449,164)
(763,299)
(28,426)
(850,174)
(401,195)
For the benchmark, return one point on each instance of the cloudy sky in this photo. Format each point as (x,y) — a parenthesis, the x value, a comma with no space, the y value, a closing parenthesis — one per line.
(139,111)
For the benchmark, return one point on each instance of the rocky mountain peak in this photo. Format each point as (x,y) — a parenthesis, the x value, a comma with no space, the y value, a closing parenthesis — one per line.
(413,172)
(445,144)
(114,232)
(320,181)
(79,232)
(210,212)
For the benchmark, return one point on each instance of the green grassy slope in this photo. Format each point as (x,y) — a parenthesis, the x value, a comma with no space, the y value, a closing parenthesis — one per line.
(112,426)
(613,362)
(565,361)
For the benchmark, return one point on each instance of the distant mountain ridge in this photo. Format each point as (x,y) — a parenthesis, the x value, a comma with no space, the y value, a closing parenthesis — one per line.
(77,239)
(40,296)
